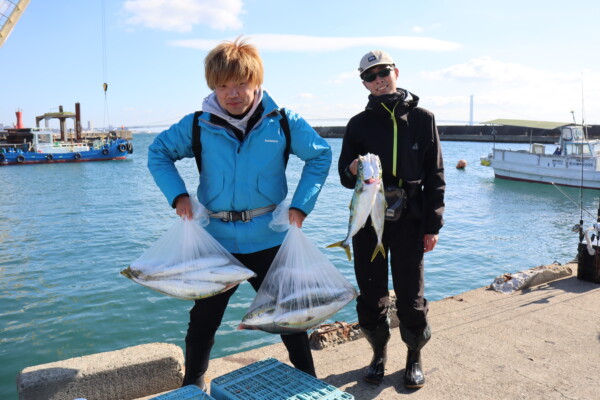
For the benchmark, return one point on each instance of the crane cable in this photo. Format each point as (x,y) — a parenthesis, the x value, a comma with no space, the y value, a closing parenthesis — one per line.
(104,67)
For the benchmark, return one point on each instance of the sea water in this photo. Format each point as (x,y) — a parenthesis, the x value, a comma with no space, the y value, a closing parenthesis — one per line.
(66,230)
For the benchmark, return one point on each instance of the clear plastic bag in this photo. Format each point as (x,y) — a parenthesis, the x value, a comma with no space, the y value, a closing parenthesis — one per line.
(281,217)
(301,290)
(187,262)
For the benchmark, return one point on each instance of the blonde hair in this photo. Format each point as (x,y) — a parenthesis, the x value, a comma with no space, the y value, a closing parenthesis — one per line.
(237,60)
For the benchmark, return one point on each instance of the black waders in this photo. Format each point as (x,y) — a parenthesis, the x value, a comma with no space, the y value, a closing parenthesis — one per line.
(378,339)
(414,378)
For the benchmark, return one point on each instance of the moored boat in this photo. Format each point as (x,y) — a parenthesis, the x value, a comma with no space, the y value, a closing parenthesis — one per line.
(573,161)
(39,147)
(21,145)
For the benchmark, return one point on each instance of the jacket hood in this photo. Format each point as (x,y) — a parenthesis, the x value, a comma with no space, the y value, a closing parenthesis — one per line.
(403,100)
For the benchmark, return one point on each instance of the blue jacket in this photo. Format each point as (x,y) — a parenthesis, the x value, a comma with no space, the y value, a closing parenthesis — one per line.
(239,176)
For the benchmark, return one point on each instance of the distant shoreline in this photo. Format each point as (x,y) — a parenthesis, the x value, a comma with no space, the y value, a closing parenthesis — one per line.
(481,133)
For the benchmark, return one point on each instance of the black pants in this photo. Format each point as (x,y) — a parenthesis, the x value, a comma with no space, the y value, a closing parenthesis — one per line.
(207,314)
(403,243)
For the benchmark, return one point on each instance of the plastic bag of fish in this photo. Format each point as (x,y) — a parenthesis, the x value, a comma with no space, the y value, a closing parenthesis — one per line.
(187,263)
(301,290)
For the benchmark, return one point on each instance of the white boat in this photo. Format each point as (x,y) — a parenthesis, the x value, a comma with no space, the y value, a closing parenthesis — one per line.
(573,161)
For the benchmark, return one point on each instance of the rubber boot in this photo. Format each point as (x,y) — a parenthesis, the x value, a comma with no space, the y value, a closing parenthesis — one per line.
(413,373)
(414,378)
(196,363)
(378,339)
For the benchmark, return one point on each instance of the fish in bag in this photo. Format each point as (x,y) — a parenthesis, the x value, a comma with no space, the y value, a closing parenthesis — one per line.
(187,263)
(301,290)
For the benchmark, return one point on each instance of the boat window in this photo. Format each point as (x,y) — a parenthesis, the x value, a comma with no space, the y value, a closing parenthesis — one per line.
(572,133)
(576,149)
(45,138)
(586,149)
(577,133)
(567,134)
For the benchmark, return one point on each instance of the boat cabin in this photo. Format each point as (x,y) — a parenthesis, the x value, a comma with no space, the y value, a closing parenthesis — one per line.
(574,143)
(572,139)
(43,142)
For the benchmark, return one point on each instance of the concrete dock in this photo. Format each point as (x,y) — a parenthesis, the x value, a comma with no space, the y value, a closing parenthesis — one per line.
(538,343)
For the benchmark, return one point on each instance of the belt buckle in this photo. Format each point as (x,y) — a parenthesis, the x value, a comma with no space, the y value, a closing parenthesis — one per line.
(228,217)
(246,216)
(234,216)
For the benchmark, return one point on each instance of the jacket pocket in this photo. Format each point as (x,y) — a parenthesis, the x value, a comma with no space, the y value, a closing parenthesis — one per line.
(273,187)
(209,190)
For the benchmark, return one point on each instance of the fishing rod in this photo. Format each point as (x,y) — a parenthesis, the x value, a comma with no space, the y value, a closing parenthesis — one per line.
(581,187)
(574,202)
(585,135)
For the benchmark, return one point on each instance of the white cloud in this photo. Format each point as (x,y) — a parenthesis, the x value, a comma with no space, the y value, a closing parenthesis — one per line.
(509,90)
(301,43)
(494,71)
(418,29)
(182,15)
(345,77)
(306,96)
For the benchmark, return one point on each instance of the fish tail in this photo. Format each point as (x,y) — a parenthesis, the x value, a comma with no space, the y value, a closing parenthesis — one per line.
(378,249)
(127,273)
(345,247)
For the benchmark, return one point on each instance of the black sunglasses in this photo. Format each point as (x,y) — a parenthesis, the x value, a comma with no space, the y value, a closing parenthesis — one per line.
(381,73)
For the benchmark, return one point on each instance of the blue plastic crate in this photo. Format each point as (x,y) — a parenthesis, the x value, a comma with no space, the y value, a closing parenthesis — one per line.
(189,392)
(270,379)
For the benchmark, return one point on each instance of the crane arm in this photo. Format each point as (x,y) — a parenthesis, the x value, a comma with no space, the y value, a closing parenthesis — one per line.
(10,12)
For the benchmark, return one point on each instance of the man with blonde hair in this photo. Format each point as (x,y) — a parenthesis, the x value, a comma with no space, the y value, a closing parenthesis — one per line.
(241,145)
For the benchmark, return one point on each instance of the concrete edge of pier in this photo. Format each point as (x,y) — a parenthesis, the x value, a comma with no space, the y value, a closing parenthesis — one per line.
(128,373)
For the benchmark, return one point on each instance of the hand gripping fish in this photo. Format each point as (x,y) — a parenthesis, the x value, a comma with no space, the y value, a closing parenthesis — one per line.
(368,199)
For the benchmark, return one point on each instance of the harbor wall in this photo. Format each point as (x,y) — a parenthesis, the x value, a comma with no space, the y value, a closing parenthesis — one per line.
(481,133)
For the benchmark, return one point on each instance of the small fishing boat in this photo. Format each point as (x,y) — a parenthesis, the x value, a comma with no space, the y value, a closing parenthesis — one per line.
(39,147)
(21,145)
(573,161)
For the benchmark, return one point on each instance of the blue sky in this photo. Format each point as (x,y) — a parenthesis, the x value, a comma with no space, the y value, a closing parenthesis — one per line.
(532,59)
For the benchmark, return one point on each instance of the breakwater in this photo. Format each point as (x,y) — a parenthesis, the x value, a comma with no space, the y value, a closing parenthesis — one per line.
(481,133)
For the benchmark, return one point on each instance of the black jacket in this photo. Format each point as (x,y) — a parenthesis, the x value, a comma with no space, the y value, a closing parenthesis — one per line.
(419,154)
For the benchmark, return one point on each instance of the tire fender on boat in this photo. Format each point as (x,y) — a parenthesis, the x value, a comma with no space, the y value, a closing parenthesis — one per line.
(49,157)
(2,157)
(20,158)
(77,156)
(122,147)
(105,151)
(129,147)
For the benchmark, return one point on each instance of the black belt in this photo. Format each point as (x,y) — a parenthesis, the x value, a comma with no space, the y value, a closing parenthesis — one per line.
(233,216)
